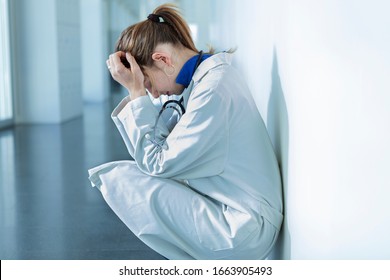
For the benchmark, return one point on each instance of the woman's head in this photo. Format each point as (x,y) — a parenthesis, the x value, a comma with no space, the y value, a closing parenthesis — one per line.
(164,26)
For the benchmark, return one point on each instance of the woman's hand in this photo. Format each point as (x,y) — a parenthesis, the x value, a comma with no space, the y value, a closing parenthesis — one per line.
(131,78)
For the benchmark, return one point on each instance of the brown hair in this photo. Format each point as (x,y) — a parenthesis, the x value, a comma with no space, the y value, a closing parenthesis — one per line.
(142,38)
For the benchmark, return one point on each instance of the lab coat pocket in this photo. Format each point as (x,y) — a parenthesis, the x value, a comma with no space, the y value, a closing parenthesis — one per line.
(220,227)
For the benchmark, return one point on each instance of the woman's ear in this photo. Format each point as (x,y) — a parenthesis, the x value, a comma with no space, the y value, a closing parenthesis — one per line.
(161,57)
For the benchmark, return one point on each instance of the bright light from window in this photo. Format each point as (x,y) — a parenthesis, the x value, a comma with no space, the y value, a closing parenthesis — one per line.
(5,85)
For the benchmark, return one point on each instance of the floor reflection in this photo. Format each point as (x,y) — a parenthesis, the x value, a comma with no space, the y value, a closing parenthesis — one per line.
(48,209)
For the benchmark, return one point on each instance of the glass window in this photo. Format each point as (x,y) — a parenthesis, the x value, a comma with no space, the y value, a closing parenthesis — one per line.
(6,112)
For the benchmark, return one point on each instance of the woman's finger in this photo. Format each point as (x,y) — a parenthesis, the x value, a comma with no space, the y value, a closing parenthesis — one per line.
(133,63)
(115,60)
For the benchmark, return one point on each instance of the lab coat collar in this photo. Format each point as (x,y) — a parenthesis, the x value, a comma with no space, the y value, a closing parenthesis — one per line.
(210,63)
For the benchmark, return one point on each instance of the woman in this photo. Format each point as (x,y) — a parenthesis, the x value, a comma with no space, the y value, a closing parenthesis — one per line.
(204,183)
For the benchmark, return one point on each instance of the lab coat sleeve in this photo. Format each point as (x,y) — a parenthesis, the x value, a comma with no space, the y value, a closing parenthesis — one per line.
(197,146)
(133,119)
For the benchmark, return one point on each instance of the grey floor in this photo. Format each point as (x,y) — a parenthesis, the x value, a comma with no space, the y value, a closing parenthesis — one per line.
(48,209)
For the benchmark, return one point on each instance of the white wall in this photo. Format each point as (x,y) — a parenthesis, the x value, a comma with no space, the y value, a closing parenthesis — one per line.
(319,73)
(334,64)
(69,58)
(95,49)
(46,60)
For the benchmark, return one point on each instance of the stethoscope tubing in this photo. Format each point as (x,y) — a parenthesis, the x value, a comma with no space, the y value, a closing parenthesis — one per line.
(169,105)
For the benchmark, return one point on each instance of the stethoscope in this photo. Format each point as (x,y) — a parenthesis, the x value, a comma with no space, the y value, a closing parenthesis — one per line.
(176,105)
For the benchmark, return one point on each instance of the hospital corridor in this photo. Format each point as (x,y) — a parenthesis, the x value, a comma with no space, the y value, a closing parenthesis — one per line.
(49,210)
(318,72)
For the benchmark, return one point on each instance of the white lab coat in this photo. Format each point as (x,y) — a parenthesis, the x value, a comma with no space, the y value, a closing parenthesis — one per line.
(213,189)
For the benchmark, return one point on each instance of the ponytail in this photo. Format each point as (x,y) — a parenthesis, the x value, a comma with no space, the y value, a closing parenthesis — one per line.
(164,25)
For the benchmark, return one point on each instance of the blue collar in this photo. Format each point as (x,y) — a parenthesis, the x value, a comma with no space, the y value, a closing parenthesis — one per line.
(187,71)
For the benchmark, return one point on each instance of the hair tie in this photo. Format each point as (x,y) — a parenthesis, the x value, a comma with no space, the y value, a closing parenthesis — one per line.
(156,18)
